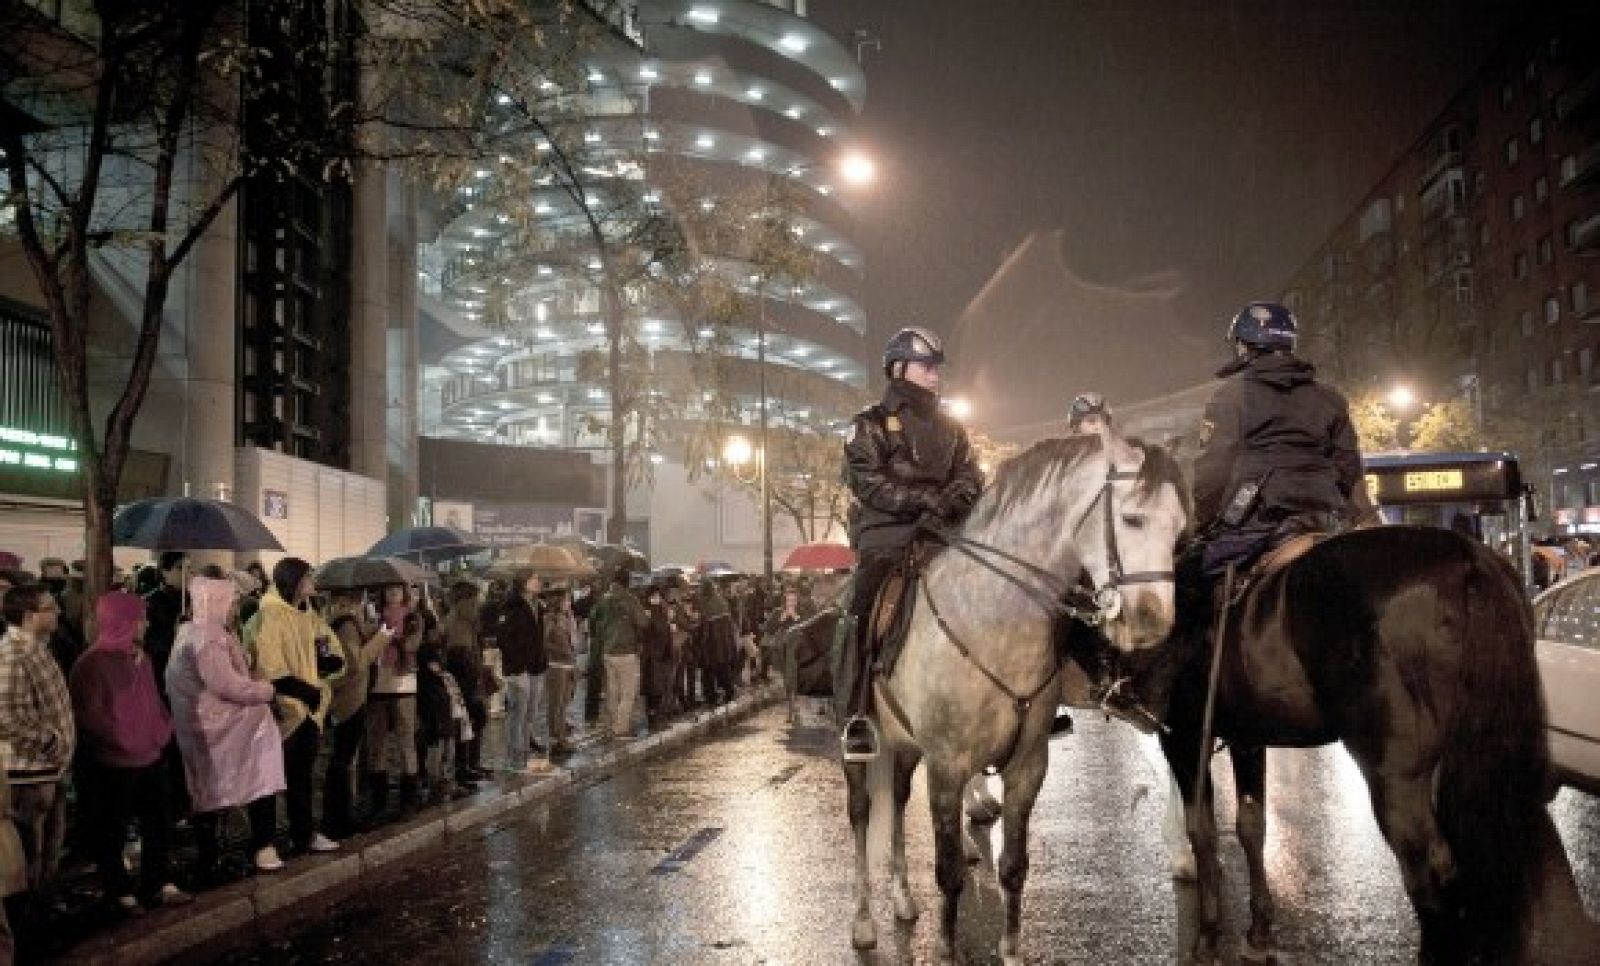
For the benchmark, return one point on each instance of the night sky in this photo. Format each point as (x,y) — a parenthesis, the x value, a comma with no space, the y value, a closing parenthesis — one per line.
(1080,193)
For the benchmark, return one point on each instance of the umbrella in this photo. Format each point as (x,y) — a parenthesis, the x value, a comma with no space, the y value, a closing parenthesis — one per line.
(715,567)
(188,523)
(545,560)
(612,556)
(820,556)
(346,573)
(427,543)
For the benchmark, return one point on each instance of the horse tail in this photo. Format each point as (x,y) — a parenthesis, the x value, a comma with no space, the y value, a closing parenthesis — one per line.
(1494,770)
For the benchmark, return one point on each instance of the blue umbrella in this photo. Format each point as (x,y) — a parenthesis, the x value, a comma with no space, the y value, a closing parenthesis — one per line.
(427,543)
(188,523)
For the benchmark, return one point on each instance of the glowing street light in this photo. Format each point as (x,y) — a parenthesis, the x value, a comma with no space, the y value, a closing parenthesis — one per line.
(959,407)
(1401,397)
(737,451)
(858,169)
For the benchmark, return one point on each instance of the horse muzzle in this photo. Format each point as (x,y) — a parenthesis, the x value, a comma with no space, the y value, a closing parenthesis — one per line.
(1144,617)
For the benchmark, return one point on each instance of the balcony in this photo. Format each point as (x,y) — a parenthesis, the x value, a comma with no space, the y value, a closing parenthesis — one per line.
(1584,171)
(1438,166)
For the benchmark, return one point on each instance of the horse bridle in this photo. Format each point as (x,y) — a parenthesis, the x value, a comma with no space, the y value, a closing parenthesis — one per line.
(1082,601)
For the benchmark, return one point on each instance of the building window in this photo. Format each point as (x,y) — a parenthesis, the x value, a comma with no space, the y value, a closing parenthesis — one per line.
(1519,207)
(1480,183)
(1580,299)
(1585,363)
(1569,168)
(1519,265)
(1552,310)
(1546,250)
(1464,289)
(1530,70)
(1483,234)
(1400,202)
(1527,323)
(1508,93)
(1541,189)
(1533,379)
(1570,233)
(1555,372)
(1536,130)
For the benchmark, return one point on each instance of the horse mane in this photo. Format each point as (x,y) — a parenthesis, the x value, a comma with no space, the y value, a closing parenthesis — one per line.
(1043,464)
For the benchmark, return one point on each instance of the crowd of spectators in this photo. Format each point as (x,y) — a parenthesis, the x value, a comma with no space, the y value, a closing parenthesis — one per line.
(206,700)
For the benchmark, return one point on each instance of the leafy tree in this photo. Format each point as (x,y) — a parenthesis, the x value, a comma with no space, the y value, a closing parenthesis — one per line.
(1377,429)
(1447,426)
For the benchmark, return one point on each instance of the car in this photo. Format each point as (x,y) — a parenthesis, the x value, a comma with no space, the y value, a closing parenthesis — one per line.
(1566,621)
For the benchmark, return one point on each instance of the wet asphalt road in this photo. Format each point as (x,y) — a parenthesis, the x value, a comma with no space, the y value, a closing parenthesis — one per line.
(737,851)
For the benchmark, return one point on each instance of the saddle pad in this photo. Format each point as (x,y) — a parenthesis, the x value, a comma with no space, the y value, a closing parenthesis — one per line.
(891,615)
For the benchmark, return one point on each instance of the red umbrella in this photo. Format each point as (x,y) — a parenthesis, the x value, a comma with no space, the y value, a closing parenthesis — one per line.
(820,556)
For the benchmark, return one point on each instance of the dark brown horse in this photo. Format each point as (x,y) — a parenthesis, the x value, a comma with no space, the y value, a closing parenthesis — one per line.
(1413,646)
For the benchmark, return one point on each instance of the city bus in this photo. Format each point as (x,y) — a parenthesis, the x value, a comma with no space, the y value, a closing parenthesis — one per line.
(1478,494)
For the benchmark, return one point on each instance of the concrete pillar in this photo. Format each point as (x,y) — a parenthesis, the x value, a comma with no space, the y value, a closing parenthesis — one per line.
(403,375)
(369,322)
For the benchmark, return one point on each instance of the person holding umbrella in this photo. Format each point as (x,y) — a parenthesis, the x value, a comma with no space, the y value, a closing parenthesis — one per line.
(295,651)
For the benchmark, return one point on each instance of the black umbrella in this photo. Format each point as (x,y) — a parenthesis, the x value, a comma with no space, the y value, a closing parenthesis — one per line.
(427,543)
(346,573)
(187,523)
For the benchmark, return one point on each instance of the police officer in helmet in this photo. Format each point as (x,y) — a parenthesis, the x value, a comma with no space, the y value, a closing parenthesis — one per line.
(1089,415)
(1279,452)
(907,462)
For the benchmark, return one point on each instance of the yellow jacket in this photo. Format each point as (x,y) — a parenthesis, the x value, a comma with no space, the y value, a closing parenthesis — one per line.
(283,639)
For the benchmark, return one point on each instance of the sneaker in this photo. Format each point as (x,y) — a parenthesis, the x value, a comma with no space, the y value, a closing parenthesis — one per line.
(267,860)
(171,895)
(321,843)
(537,766)
(130,905)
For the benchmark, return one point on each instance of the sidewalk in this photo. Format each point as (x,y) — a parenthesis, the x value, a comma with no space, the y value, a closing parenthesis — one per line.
(258,905)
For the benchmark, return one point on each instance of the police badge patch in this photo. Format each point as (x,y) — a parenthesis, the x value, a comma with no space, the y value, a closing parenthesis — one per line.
(1207,427)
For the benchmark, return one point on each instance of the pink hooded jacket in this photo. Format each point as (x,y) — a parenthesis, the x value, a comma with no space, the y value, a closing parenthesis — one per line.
(122,722)
(232,754)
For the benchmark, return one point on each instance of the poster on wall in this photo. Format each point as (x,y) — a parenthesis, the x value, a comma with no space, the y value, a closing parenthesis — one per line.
(450,513)
(510,524)
(274,505)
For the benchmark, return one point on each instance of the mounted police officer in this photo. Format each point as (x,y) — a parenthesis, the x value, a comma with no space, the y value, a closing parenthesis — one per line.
(1279,452)
(907,462)
(1089,415)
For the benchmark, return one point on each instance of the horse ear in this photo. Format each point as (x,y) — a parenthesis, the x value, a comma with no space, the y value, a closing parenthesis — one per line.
(1124,455)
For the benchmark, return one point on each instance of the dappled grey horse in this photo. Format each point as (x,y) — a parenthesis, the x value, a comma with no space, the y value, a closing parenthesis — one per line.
(1084,527)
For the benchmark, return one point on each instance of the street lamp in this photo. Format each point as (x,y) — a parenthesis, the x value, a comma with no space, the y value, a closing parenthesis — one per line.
(1401,397)
(858,169)
(959,407)
(737,451)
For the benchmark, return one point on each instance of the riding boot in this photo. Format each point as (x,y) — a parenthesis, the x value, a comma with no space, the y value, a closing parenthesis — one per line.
(410,795)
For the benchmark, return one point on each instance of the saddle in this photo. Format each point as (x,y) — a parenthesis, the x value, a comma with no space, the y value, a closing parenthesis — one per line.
(1275,559)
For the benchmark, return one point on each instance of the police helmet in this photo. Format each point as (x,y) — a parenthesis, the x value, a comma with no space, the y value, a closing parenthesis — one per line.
(1085,405)
(912,344)
(1264,325)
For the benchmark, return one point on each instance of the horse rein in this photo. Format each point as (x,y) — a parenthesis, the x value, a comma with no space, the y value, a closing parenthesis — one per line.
(1080,601)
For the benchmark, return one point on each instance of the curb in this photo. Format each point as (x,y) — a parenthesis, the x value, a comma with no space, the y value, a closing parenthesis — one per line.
(217,918)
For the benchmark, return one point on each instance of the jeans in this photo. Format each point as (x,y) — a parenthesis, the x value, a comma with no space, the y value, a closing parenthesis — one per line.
(622,689)
(338,786)
(392,716)
(519,718)
(111,796)
(299,761)
(39,810)
(558,686)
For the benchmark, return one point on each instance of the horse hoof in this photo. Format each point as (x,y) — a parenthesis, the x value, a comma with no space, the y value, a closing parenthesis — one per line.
(864,935)
(1010,952)
(944,952)
(1251,952)
(905,908)
(1182,867)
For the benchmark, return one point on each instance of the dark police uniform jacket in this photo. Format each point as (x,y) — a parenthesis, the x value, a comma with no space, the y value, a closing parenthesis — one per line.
(1273,422)
(905,458)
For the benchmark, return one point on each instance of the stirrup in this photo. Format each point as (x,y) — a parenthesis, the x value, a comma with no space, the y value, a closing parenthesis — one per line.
(859,739)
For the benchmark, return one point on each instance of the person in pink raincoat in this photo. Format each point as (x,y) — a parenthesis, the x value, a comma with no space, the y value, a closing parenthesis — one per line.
(232,753)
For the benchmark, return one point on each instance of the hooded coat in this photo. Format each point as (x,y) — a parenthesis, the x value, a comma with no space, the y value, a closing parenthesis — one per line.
(122,722)
(1273,422)
(231,749)
(283,639)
